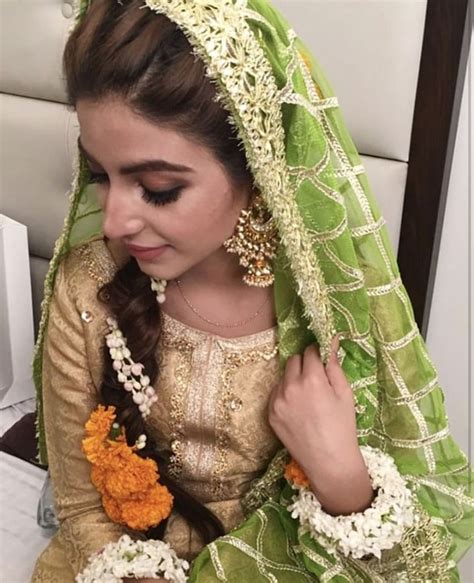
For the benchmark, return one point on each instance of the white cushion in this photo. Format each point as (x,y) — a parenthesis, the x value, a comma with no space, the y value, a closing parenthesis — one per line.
(33,35)
(36,160)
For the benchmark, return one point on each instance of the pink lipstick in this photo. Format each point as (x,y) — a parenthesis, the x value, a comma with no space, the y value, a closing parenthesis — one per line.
(146,253)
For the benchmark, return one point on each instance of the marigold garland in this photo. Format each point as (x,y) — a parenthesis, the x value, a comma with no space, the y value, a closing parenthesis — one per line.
(131,494)
(294,473)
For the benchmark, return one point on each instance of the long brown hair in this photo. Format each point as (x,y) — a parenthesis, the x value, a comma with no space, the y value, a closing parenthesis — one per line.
(145,60)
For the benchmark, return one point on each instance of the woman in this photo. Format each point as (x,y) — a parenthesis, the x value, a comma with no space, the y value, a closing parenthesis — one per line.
(236,262)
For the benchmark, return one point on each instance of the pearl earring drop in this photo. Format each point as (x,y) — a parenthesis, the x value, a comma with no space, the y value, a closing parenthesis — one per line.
(159,286)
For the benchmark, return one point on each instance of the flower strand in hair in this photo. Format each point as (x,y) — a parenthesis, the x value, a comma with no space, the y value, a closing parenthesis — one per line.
(129,372)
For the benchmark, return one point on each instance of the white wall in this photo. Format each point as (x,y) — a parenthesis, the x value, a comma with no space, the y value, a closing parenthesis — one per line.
(449,337)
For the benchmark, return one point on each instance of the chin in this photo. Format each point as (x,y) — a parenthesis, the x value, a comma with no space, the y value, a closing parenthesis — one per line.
(159,271)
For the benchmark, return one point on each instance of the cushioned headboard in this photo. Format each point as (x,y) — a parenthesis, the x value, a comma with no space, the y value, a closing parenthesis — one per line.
(38,132)
(374,71)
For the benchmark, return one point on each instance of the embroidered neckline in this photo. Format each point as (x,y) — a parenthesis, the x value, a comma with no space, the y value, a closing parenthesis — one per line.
(174,327)
(106,264)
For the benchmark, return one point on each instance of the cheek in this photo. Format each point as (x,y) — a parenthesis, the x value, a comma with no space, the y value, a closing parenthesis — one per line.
(198,222)
(211,223)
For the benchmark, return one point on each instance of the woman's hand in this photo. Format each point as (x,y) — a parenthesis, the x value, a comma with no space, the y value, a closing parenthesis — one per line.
(312,412)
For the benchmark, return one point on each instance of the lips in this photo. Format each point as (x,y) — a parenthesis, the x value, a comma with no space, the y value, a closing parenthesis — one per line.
(146,253)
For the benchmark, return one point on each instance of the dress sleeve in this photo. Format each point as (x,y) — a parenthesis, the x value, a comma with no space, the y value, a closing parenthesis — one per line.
(69,396)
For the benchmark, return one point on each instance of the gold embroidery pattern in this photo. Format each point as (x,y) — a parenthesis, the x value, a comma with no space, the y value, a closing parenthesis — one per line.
(232,362)
(201,407)
(96,258)
(217,563)
(177,413)
(264,488)
(421,555)
(209,406)
(262,561)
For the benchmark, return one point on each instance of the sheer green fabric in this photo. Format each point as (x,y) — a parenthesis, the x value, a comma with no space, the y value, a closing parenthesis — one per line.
(335,272)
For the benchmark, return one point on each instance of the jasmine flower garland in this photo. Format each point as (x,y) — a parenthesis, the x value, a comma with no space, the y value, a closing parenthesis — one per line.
(358,534)
(139,559)
(129,372)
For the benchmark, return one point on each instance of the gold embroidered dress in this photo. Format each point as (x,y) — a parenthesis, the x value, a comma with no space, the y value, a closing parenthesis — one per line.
(211,408)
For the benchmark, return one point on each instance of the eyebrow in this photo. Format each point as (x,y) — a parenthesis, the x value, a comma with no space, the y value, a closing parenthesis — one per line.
(143,166)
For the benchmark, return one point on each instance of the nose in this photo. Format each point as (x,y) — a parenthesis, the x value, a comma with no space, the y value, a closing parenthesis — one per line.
(121,213)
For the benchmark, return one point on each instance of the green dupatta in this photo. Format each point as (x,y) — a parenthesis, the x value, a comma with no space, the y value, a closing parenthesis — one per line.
(335,272)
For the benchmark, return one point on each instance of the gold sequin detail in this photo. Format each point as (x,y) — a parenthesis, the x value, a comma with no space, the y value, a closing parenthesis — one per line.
(421,555)
(86,316)
(177,413)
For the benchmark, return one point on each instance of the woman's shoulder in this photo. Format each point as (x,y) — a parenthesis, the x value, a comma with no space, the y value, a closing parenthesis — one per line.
(93,263)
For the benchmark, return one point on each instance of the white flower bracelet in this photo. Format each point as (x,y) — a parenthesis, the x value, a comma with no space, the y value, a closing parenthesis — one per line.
(129,558)
(369,532)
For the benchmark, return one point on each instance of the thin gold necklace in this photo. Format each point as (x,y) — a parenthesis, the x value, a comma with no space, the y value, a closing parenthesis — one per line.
(235,325)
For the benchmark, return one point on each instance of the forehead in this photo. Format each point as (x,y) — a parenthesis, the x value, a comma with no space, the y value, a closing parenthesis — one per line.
(111,131)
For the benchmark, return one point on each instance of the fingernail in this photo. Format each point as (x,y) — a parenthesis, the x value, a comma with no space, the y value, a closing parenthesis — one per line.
(335,343)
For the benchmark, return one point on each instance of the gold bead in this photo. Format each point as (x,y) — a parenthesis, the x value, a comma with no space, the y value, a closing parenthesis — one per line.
(175,446)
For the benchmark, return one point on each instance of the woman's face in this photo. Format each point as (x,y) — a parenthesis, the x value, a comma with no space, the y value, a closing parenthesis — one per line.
(157,188)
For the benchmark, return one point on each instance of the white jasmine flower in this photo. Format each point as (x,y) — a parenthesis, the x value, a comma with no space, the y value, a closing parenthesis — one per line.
(379,527)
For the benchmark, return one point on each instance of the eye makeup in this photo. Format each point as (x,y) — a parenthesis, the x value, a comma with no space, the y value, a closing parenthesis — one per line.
(154,197)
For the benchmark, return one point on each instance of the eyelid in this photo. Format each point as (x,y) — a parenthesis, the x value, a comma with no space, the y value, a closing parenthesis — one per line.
(154,197)
(102,176)
(162,197)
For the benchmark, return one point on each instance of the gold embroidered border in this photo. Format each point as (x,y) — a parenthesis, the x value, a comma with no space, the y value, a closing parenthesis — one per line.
(232,362)
(182,377)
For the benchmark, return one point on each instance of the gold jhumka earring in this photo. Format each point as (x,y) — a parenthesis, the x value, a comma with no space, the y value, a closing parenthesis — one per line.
(255,241)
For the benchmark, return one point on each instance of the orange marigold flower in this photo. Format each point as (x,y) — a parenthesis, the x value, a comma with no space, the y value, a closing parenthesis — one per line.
(294,473)
(98,477)
(112,509)
(127,482)
(137,476)
(100,421)
(92,447)
(149,509)
(115,456)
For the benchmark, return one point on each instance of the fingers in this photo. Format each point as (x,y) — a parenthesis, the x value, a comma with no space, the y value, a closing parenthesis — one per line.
(312,363)
(310,366)
(293,367)
(334,371)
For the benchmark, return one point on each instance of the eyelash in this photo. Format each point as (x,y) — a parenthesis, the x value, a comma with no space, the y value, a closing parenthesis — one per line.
(157,198)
